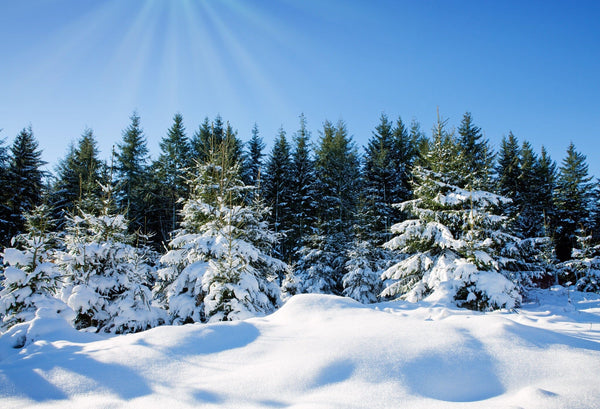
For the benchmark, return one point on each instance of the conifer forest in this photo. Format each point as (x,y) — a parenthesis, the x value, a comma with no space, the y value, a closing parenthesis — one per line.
(216,228)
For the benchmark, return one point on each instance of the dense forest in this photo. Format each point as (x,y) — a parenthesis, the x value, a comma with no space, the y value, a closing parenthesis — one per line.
(217,229)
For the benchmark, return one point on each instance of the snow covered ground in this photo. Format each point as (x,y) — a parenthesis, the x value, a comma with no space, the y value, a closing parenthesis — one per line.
(323,352)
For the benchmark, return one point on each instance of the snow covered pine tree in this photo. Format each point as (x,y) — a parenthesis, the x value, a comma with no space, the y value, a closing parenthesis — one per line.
(218,267)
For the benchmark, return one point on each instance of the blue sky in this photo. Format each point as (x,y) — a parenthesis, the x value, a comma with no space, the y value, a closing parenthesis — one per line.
(530,67)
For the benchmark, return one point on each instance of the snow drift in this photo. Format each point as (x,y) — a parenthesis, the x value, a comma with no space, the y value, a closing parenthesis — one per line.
(322,351)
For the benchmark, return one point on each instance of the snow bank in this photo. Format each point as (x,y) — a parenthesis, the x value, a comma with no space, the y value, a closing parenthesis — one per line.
(321,351)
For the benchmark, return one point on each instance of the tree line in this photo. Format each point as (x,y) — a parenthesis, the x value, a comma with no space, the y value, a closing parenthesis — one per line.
(216,229)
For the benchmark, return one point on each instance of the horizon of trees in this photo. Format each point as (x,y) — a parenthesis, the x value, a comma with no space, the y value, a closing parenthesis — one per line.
(216,229)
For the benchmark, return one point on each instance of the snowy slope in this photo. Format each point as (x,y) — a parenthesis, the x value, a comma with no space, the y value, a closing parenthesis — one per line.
(324,352)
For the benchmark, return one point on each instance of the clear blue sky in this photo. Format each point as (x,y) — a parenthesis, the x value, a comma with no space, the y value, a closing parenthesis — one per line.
(530,67)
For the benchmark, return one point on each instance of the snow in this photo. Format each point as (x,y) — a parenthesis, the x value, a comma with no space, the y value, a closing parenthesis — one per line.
(321,351)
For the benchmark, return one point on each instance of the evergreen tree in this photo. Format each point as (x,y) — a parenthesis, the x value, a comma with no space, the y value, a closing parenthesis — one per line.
(321,261)
(529,218)
(508,169)
(458,246)
(24,179)
(572,199)
(381,179)
(421,143)
(476,154)
(277,193)
(404,155)
(337,169)
(363,270)
(253,159)
(454,247)
(108,280)
(366,260)
(443,153)
(78,177)
(170,184)
(31,278)
(132,174)
(218,267)
(4,196)
(546,181)
(303,196)
(235,147)
(200,143)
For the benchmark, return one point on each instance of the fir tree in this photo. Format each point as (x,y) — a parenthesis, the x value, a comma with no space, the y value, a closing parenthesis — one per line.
(303,196)
(200,143)
(31,278)
(404,155)
(546,181)
(78,177)
(320,265)
(457,247)
(170,185)
(108,280)
(380,175)
(24,179)
(529,218)
(508,169)
(476,154)
(337,169)
(4,196)
(277,193)
(454,247)
(421,143)
(132,174)
(253,159)
(218,267)
(572,199)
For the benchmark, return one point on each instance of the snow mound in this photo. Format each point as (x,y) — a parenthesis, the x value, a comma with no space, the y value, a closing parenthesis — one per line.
(320,351)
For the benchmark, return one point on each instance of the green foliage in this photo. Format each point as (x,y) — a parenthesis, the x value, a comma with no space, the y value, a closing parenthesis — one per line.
(303,196)
(277,193)
(132,176)
(24,182)
(572,199)
(78,178)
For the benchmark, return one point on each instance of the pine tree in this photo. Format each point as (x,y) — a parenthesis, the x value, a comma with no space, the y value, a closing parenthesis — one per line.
(132,174)
(320,265)
(170,184)
(4,196)
(277,193)
(381,179)
(456,245)
(218,267)
(508,169)
(24,179)
(454,248)
(363,270)
(108,280)
(404,154)
(31,278)
(235,147)
(78,178)
(477,155)
(421,143)
(302,187)
(546,181)
(253,159)
(572,199)
(200,143)
(529,218)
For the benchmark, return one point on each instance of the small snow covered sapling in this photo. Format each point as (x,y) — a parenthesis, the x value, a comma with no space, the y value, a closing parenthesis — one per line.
(31,278)
(108,280)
